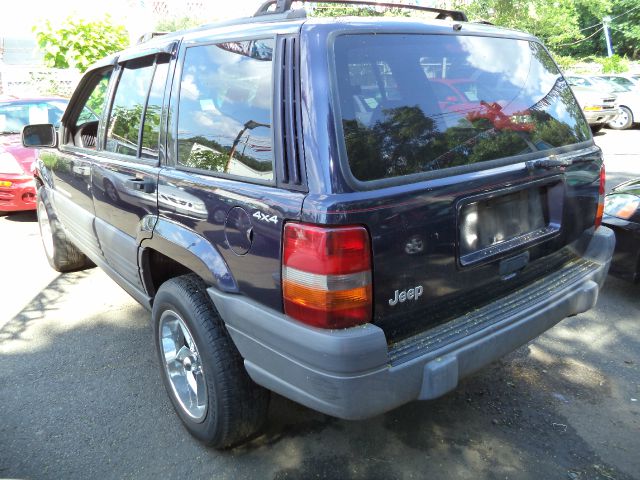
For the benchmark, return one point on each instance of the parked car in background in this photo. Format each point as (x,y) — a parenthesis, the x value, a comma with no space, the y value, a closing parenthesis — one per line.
(17,186)
(599,108)
(628,100)
(630,82)
(622,215)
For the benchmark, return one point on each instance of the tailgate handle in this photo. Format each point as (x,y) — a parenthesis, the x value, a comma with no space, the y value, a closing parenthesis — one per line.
(509,266)
(553,162)
(548,163)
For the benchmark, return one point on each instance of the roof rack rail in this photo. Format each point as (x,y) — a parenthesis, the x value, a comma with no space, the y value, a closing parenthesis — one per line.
(285,6)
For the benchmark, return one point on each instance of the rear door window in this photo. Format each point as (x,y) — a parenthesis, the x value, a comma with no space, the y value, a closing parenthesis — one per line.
(128,105)
(419,103)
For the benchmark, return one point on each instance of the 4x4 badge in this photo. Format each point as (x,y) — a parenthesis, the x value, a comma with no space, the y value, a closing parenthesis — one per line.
(404,295)
(265,218)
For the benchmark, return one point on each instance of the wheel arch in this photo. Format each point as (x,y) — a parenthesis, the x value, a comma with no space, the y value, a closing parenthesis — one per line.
(175,250)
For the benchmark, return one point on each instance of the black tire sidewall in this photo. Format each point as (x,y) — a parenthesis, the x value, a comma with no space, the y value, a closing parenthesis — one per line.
(53,225)
(209,430)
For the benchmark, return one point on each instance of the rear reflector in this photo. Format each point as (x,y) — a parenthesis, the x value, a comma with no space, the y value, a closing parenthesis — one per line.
(326,275)
(600,210)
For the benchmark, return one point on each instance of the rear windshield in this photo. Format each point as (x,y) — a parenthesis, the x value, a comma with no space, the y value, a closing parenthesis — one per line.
(419,103)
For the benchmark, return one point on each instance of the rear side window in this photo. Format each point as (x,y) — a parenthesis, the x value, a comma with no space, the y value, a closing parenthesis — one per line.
(420,103)
(224,113)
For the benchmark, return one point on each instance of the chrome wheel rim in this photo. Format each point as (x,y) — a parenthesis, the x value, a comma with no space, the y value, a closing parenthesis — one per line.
(183,365)
(621,120)
(45,229)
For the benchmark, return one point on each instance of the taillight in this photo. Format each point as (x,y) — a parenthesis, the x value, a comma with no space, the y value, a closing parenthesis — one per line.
(326,275)
(600,210)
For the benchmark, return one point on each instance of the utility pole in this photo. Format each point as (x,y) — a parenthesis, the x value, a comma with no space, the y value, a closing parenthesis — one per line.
(605,25)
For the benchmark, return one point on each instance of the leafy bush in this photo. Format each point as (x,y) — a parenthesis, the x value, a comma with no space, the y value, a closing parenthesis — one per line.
(614,64)
(78,43)
(173,24)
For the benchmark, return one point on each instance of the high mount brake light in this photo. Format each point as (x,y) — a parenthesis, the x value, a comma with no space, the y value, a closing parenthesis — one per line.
(326,275)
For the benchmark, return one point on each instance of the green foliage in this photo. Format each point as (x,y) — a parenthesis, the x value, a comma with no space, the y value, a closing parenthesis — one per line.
(568,27)
(565,62)
(336,10)
(173,24)
(78,43)
(625,30)
(614,64)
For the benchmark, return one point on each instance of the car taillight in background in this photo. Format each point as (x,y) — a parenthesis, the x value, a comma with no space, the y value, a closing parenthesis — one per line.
(326,275)
(9,164)
(600,210)
(621,205)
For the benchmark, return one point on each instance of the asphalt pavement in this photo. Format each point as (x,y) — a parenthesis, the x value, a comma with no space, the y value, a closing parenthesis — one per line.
(81,394)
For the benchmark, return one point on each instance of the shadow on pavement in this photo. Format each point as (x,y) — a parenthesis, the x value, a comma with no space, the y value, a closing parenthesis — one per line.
(29,216)
(82,395)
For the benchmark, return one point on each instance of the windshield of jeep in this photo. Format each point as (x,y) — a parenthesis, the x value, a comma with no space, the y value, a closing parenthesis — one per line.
(419,103)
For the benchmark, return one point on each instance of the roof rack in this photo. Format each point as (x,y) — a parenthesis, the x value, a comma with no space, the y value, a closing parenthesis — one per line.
(285,6)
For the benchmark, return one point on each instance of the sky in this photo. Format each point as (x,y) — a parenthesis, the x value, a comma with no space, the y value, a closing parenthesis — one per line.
(23,14)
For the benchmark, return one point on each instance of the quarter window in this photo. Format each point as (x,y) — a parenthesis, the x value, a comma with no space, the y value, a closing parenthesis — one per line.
(224,119)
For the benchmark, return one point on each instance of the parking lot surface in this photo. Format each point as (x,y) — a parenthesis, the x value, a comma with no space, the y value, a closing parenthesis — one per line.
(81,394)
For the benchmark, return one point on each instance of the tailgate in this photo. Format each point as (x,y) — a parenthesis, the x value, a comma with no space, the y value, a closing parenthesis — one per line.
(471,165)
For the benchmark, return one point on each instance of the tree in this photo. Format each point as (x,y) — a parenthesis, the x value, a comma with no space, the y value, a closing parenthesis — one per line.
(625,28)
(78,43)
(173,24)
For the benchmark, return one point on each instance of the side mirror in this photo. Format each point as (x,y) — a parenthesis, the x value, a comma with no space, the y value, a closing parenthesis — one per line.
(40,135)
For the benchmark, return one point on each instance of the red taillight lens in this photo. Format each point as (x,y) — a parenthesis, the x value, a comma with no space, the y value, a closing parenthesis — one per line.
(326,275)
(600,210)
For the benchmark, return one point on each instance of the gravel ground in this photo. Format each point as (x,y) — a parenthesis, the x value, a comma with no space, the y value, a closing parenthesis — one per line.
(81,395)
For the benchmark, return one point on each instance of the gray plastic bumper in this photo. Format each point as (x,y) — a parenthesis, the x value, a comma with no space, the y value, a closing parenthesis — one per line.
(353,374)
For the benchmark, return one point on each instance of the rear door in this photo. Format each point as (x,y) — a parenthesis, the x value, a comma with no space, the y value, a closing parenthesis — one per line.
(125,175)
(470,162)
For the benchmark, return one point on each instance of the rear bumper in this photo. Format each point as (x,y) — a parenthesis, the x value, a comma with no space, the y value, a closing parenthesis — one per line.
(354,374)
(21,195)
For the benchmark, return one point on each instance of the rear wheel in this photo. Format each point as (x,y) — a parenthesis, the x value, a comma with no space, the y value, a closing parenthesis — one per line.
(63,256)
(623,121)
(201,369)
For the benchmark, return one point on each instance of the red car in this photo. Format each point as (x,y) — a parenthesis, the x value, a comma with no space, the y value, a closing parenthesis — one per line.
(17,187)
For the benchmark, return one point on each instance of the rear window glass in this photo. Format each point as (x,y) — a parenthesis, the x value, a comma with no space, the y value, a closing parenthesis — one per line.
(419,103)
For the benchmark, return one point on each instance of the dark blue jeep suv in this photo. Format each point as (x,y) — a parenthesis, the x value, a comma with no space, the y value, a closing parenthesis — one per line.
(354,213)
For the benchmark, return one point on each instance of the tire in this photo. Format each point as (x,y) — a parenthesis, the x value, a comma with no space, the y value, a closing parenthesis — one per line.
(62,254)
(623,121)
(209,387)
(596,128)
